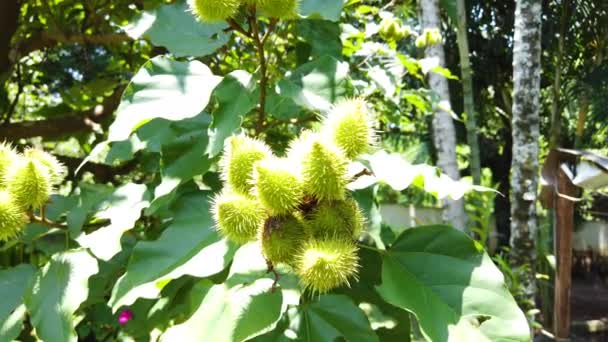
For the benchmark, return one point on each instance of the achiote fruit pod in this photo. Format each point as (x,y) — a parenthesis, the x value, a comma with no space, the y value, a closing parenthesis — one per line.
(238,217)
(8,156)
(240,154)
(278,185)
(281,9)
(336,219)
(214,10)
(326,264)
(12,217)
(56,170)
(29,183)
(281,237)
(324,170)
(350,126)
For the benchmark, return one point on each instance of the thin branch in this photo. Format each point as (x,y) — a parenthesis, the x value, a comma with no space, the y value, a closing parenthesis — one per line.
(46,222)
(364,172)
(271,27)
(65,125)
(46,40)
(259,44)
(238,28)
(13,105)
(275,273)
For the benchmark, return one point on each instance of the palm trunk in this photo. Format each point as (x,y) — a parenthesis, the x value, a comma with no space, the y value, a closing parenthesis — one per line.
(444,133)
(525,130)
(467,92)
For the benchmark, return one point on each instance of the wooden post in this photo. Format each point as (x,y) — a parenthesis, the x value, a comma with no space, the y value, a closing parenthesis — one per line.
(563,228)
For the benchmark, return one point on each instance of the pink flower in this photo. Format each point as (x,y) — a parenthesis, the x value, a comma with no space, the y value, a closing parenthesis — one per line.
(125,316)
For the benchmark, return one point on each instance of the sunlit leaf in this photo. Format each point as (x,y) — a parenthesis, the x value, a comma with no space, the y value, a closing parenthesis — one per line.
(56,293)
(464,297)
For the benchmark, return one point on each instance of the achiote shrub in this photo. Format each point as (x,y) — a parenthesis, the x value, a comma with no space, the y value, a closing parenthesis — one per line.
(298,206)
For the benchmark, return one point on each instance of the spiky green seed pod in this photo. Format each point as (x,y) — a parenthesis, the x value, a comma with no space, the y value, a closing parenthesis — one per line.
(240,154)
(8,156)
(56,169)
(300,146)
(237,217)
(29,183)
(340,219)
(214,10)
(350,126)
(281,237)
(324,170)
(278,185)
(12,217)
(281,9)
(324,265)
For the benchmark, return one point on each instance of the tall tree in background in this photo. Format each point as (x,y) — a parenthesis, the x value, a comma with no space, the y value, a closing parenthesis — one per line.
(525,128)
(467,91)
(444,133)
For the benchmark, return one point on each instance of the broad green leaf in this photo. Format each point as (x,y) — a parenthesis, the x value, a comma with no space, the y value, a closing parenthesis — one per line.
(243,307)
(321,9)
(13,324)
(56,293)
(87,197)
(323,36)
(181,159)
(235,99)
(190,245)
(331,317)
(452,286)
(123,208)
(399,174)
(317,84)
(13,284)
(230,313)
(281,107)
(163,88)
(175,27)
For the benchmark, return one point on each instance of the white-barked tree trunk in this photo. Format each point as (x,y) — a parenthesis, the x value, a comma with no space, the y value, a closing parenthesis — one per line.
(444,133)
(525,130)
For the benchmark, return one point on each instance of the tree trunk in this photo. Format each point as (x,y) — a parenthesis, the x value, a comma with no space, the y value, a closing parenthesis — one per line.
(525,128)
(444,133)
(556,124)
(467,92)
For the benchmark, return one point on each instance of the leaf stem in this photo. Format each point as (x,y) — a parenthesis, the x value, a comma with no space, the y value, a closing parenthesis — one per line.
(381,251)
(238,28)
